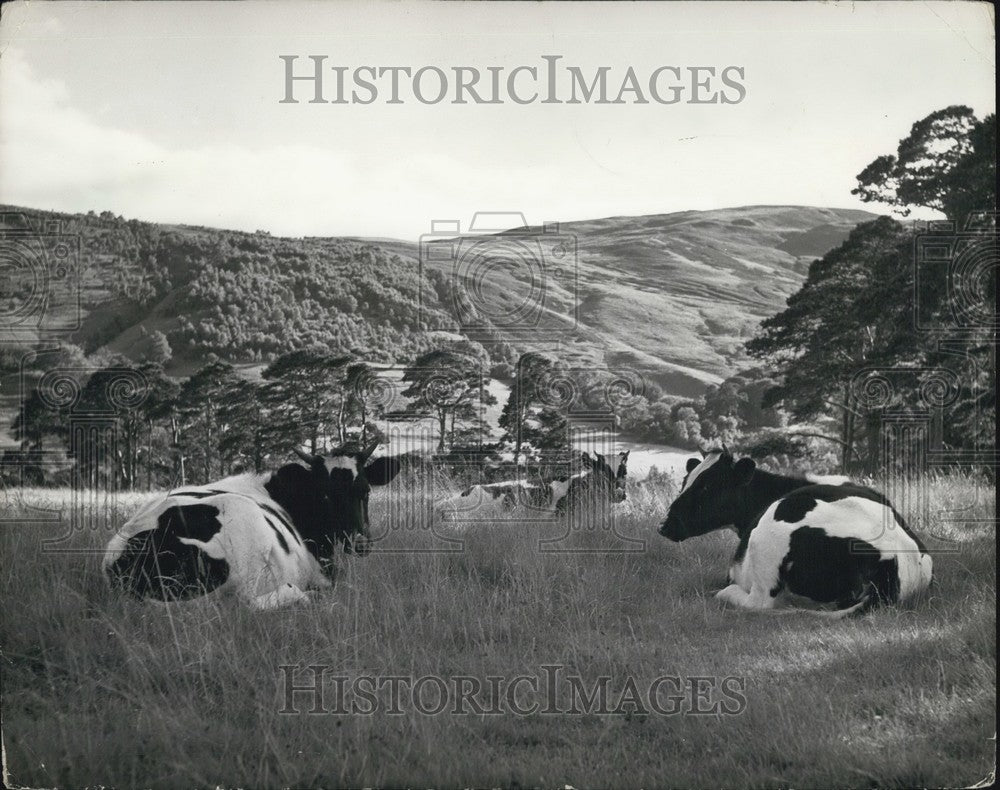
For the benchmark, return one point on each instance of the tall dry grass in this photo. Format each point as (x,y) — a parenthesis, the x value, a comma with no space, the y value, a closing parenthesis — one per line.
(100,690)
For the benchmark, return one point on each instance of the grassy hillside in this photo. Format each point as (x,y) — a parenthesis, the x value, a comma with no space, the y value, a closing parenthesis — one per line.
(103,691)
(676,295)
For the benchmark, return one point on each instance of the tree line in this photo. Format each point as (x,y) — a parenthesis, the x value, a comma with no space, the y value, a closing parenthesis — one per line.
(168,431)
(223,419)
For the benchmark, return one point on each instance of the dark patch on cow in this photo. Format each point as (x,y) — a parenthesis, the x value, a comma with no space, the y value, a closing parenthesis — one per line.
(277,532)
(600,484)
(829,493)
(328,507)
(194,522)
(741,548)
(382,470)
(840,570)
(281,518)
(156,564)
(793,508)
(199,494)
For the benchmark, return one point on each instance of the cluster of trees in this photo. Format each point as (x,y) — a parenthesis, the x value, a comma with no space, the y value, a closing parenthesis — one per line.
(262,295)
(224,420)
(218,421)
(910,307)
(248,296)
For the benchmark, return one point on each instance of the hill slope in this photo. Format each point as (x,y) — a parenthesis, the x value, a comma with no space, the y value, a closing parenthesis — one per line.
(672,295)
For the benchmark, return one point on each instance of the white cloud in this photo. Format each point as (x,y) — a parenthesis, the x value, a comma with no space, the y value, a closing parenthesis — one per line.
(55,156)
(169,126)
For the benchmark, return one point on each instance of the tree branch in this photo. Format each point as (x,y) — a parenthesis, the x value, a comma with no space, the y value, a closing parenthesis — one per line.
(841,442)
(843,406)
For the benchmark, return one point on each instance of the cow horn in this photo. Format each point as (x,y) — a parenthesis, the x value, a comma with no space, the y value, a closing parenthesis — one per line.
(369,449)
(304,456)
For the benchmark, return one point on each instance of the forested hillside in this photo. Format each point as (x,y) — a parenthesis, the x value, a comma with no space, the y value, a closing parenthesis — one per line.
(178,294)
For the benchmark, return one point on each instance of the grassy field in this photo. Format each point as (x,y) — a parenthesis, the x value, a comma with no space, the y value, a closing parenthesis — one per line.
(98,690)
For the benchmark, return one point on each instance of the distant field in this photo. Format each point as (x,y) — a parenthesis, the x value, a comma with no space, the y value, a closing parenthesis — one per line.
(98,690)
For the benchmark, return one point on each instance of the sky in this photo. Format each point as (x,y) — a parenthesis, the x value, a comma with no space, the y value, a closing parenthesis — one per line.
(172,112)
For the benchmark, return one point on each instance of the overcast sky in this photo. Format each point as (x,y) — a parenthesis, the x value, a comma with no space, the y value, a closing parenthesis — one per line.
(171,112)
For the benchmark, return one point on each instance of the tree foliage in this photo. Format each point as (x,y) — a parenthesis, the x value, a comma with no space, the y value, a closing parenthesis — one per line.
(450,385)
(947,162)
(856,311)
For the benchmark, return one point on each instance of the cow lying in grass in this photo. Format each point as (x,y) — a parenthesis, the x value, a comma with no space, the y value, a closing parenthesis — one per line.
(800,542)
(266,538)
(597,481)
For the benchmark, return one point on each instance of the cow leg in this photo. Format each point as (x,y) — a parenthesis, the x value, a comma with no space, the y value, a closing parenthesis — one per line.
(285,595)
(737,596)
(733,594)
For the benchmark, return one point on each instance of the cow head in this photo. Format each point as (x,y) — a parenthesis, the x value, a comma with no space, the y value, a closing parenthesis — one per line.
(344,479)
(604,481)
(713,495)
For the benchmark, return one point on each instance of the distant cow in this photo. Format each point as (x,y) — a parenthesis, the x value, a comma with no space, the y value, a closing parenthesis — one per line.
(596,482)
(267,538)
(841,545)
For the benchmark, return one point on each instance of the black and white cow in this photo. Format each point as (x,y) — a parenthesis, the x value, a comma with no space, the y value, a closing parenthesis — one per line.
(266,538)
(804,543)
(597,481)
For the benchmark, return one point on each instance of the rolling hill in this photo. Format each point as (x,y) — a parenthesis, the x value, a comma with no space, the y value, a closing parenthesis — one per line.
(673,296)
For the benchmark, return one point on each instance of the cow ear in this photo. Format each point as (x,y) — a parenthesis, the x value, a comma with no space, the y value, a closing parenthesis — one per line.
(382,470)
(744,469)
(692,464)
